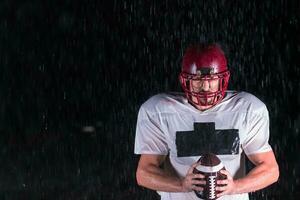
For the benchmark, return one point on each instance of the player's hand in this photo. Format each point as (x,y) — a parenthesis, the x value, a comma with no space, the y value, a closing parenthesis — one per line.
(229,185)
(191,181)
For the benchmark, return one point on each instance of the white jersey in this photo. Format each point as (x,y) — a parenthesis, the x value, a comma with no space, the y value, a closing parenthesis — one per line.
(168,125)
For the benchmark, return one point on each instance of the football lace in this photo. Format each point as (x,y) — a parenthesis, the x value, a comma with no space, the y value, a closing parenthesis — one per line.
(212,194)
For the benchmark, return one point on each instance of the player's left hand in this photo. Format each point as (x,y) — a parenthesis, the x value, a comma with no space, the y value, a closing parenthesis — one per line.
(229,185)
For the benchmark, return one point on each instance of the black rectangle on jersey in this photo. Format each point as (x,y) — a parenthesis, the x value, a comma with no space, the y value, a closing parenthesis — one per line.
(206,139)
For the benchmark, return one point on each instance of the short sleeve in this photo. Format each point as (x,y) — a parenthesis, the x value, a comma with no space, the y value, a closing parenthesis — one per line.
(257,138)
(149,138)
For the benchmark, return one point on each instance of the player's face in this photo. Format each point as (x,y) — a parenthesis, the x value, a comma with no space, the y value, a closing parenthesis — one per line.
(205,85)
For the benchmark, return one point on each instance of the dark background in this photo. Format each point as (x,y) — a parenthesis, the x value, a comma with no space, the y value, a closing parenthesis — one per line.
(73,75)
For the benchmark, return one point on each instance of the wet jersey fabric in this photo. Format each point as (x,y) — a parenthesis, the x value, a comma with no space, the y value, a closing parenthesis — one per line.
(168,125)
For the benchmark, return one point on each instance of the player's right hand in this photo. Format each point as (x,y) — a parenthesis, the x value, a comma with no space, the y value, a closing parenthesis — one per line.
(191,182)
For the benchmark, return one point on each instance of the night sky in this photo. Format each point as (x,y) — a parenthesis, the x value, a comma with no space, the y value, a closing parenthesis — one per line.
(73,75)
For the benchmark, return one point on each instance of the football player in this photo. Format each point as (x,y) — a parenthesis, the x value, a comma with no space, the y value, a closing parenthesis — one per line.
(175,129)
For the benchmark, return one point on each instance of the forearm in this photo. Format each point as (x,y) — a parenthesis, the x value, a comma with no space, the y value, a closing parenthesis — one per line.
(158,179)
(259,177)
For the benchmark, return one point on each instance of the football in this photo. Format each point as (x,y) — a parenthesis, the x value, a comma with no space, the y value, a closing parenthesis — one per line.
(210,166)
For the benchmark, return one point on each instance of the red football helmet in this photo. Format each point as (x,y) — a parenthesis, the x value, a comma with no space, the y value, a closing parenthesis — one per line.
(204,65)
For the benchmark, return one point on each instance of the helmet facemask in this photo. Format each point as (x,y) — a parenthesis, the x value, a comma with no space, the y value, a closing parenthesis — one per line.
(194,87)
